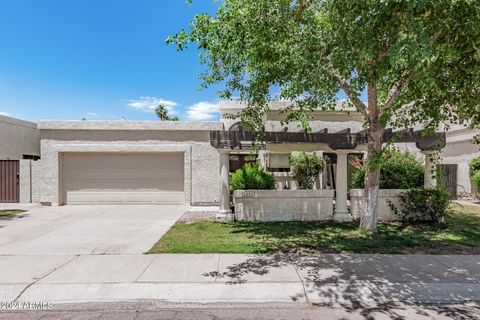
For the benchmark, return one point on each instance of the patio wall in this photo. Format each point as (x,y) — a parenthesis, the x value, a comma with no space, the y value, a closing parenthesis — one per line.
(385,213)
(283,205)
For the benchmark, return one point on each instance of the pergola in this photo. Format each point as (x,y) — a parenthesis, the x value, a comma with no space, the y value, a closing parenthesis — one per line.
(341,142)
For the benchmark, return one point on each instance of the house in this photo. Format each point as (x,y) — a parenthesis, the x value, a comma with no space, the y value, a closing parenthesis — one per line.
(18,140)
(96,162)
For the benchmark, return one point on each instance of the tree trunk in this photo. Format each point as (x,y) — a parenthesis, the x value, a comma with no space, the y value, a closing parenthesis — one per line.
(372,180)
(372,177)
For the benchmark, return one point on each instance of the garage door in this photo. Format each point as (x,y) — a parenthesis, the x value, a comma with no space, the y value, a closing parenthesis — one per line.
(116,178)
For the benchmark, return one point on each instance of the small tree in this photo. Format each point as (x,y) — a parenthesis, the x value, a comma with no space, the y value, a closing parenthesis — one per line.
(305,168)
(162,113)
(252,177)
(476,180)
(399,170)
(474,165)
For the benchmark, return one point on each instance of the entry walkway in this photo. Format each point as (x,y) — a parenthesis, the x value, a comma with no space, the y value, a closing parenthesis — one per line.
(324,279)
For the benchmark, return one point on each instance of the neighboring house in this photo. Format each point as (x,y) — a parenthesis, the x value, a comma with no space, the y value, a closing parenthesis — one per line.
(92,162)
(18,140)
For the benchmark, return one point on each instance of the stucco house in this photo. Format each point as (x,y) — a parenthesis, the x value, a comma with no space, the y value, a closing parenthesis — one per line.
(19,140)
(95,162)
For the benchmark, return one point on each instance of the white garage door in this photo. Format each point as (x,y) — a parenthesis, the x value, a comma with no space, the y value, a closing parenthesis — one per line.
(116,178)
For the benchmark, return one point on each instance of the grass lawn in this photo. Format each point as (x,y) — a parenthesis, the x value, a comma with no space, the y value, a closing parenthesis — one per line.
(5,213)
(461,235)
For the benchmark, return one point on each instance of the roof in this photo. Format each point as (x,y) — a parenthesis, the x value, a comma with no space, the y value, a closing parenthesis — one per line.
(128,125)
(18,122)
(228,106)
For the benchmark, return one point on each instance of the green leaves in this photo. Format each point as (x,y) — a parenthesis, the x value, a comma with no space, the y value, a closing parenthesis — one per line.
(424,205)
(476,179)
(474,165)
(252,177)
(298,49)
(305,168)
(162,113)
(398,170)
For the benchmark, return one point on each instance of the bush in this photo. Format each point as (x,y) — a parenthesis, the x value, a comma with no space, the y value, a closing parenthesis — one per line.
(252,177)
(398,170)
(474,166)
(476,179)
(305,168)
(423,205)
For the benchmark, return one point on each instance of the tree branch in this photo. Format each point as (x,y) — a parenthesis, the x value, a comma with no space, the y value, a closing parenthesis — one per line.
(399,86)
(302,5)
(396,89)
(361,107)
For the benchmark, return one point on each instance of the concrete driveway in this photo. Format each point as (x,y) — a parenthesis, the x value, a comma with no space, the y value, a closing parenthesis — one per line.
(92,229)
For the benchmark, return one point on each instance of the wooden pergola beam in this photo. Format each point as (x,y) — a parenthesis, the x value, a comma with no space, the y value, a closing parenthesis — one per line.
(338,140)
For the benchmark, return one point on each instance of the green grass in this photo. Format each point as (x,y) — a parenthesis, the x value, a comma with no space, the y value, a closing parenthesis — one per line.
(5,213)
(461,235)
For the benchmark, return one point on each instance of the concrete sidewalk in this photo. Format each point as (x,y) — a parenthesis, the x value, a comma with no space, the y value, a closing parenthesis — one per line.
(323,279)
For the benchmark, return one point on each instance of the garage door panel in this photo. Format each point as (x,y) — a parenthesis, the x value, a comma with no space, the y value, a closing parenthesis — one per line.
(95,184)
(123,178)
(83,197)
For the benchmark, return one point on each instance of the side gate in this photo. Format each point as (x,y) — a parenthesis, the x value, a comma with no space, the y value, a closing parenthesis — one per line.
(448,175)
(9,181)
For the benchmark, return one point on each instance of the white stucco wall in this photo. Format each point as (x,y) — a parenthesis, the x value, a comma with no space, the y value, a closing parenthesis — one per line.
(18,137)
(36,181)
(201,160)
(30,183)
(25,181)
(283,205)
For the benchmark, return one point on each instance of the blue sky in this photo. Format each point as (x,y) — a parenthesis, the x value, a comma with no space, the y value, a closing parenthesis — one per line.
(99,59)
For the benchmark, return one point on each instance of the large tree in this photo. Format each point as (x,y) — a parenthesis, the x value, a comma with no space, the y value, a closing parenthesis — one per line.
(418,61)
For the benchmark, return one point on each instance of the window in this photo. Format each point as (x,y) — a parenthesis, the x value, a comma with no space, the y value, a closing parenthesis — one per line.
(278,162)
(29,156)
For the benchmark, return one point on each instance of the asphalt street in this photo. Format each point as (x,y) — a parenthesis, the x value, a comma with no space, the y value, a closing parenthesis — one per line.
(141,310)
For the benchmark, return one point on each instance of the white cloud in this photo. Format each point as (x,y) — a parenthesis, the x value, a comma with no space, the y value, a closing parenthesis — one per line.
(2,113)
(202,110)
(92,114)
(148,104)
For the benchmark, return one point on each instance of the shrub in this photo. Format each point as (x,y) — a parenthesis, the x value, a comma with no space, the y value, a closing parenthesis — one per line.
(476,179)
(474,166)
(398,170)
(305,168)
(252,177)
(423,205)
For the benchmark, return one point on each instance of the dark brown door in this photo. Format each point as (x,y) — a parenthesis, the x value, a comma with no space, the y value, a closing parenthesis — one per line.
(448,174)
(9,181)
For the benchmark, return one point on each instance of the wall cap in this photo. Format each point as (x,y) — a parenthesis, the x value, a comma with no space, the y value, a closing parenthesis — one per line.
(324,193)
(129,125)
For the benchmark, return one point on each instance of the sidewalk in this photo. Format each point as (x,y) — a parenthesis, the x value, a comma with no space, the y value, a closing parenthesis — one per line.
(213,278)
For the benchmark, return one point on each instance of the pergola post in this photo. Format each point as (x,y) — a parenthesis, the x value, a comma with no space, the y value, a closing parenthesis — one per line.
(341,213)
(319,182)
(430,175)
(224,213)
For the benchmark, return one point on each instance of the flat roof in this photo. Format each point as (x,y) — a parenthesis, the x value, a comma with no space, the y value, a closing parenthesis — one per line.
(128,125)
(341,106)
(18,122)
